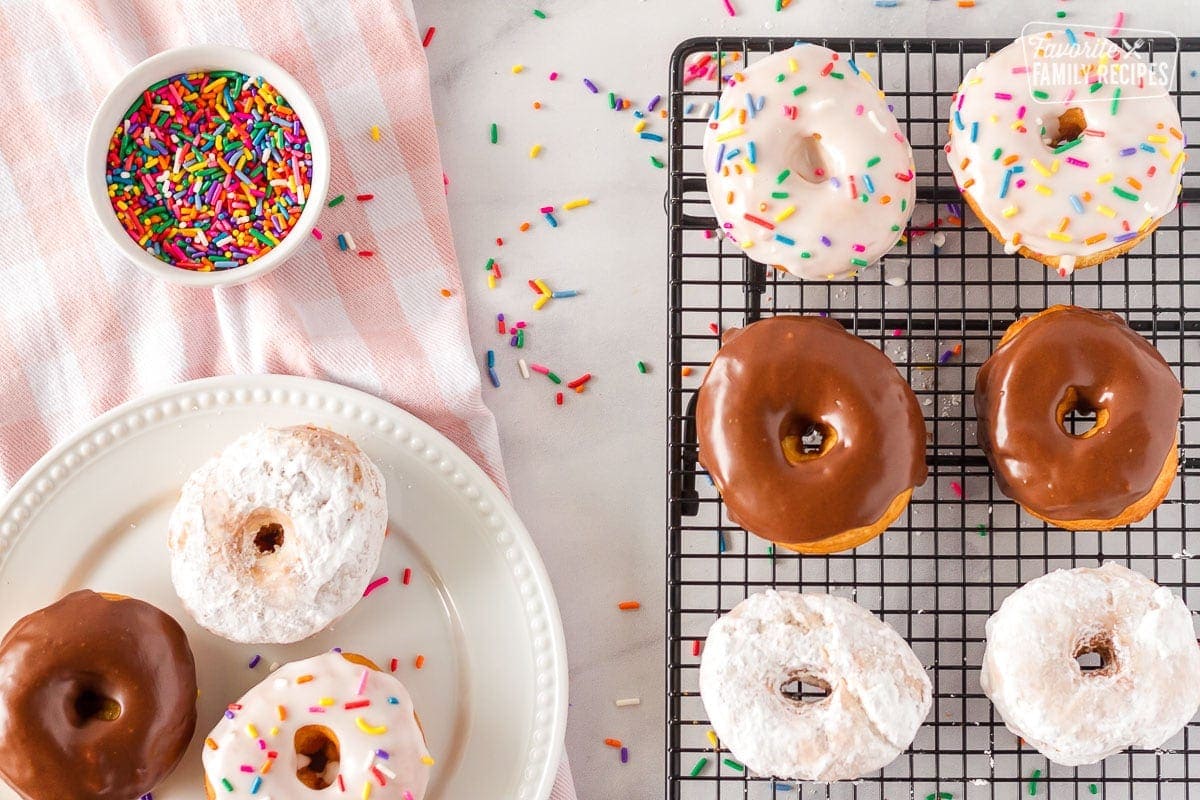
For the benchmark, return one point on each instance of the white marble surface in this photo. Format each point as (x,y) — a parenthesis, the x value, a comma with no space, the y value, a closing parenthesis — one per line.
(589,478)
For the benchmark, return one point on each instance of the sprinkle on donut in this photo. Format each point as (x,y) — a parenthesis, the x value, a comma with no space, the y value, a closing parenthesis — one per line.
(807,168)
(1062,158)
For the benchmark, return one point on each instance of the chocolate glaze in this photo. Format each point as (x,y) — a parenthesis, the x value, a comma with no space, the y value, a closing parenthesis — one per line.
(1040,465)
(775,377)
(58,665)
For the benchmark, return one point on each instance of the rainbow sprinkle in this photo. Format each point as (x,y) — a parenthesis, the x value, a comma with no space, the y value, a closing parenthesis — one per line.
(209,170)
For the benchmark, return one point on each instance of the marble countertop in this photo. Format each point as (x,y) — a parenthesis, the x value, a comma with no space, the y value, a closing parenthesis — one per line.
(589,478)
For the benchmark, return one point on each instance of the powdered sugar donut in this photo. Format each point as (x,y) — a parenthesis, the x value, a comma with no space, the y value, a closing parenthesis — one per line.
(1144,692)
(278,535)
(1068,170)
(878,691)
(330,722)
(808,170)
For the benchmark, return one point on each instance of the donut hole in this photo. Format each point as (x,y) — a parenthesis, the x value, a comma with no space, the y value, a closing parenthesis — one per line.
(269,537)
(808,158)
(1079,417)
(803,439)
(318,756)
(1067,127)
(803,688)
(91,705)
(1095,656)
(264,532)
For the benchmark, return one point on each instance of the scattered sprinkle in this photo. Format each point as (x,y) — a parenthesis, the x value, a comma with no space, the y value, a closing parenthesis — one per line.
(375,584)
(629,605)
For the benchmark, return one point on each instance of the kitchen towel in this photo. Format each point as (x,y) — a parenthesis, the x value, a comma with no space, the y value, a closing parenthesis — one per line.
(82,330)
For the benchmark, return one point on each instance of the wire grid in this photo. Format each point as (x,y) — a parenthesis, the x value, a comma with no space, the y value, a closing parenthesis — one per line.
(936,574)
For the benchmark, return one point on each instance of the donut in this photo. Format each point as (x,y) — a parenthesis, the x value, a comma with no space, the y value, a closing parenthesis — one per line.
(1145,689)
(781,379)
(1070,173)
(278,535)
(334,720)
(877,692)
(97,699)
(1067,359)
(807,168)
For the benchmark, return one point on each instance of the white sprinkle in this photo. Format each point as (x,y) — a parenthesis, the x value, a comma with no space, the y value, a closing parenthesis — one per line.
(629,701)
(938,239)
(281,683)
(1184,553)
(349,241)
(524,368)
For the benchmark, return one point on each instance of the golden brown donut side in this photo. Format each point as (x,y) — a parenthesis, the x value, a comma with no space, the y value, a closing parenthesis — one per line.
(780,376)
(97,699)
(1108,476)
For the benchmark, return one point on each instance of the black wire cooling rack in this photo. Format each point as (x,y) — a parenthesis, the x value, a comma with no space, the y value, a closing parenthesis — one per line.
(962,547)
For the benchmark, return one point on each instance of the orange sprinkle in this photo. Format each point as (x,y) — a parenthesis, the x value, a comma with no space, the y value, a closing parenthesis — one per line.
(304,679)
(613,742)
(1099,237)
(629,605)
(446,292)
(536,105)
(885,199)
(1011,160)
(524,227)
(957,349)
(211,743)
(685,371)
(282,713)
(266,767)
(1062,226)
(1134,182)
(419,661)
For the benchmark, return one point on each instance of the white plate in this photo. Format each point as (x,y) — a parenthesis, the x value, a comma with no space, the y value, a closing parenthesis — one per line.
(493,692)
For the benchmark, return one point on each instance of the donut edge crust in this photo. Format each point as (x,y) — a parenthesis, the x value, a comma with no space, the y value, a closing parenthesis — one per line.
(855,537)
(1052,262)
(1135,511)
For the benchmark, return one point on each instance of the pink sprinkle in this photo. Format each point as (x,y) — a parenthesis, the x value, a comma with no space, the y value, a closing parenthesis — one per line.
(247,768)
(539,369)
(958,490)
(1075,162)
(546,209)
(553,76)
(858,110)
(316,710)
(1069,96)
(1019,70)
(1021,112)
(898,332)
(1003,96)
(407,795)
(1118,24)
(317,234)
(362,684)
(262,744)
(858,248)
(375,584)
(729,8)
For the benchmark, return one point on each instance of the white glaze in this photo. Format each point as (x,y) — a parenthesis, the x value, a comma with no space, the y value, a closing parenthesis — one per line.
(246,736)
(855,126)
(1071,717)
(1038,198)
(330,500)
(879,693)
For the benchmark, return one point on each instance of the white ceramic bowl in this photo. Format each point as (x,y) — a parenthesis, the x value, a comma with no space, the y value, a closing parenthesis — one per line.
(193,59)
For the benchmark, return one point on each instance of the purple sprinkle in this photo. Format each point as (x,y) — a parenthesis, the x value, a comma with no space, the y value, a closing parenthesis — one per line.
(1125,237)
(254,661)
(653,104)
(835,183)
(382,754)
(228,714)
(591,86)
(337,649)
(720,158)
(945,356)
(1075,162)
(825,241)
(1128,151)
(624,755)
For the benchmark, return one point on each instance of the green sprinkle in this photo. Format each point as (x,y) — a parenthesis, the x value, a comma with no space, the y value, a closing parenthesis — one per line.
(700,765)
(799,90)
(488,266)
(554,378)
(537,12)
(228,786)
(805,254)
(641,365)
(337,200)
(495,133)
(931,796)
(612,100)
(1040,95)
(1062,148)
(729,762)
(779,195)
(781,177)
(1116,100)
(903,205)
(996,154)
(859,262)
(657,162)
(945,796)
(771,550)
(1119,192)
(982,529)
(1095,87)
(1060,14)
(1033,779)
(837,75)
(1093,788)
(780,78)
(874,160)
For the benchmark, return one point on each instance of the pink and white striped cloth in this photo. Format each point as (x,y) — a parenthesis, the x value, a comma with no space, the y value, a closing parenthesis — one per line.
(82,330)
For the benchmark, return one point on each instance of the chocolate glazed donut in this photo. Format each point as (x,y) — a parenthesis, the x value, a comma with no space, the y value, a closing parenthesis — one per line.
(1069,359)
(780,380)
(97,699)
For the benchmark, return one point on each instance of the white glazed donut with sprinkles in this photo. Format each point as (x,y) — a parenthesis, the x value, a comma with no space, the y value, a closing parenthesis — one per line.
(807,168)
(325,725)
(1066,158)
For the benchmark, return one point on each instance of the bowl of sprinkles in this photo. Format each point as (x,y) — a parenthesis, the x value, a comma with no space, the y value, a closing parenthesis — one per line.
(207,165)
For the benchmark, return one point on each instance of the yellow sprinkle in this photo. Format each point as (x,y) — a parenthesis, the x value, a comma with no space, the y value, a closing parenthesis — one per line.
(1146,223)
(1058,237)
(1010,211)
(1038,166)
(641,126)
(1177,163)
(1054,165)
(375,132)
(541,301)
(749,165)
(733,134)
(792,64)
(325,701)
(518,68)
(1105,178)
(366,792)
(251,731)
(974,81)
(365,728)
(712,738)
(1043,189)
(1106,211)
(747,245)
(533,151)
(1157,138)
(427,760)
(574,204)
(728,112)
(1017,124)
(787,212)
(542,287)
(491,281)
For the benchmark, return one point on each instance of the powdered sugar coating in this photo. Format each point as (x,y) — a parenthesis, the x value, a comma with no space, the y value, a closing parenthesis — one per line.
(1146,692)
(878,691)
(325,496)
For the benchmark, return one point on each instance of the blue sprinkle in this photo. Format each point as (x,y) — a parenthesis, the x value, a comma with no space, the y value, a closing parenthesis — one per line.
(1077,204)
(640,115)
(958,123)
(720,541)
(1149,148)
(256,785)
(751,153)
(564,293)
(762,101)
(1070,36)
(784,787)
(732,154)
(495,378)
(652,137)
(687,110)
(1004,184)
(393,701)
(785,240)
(341,241)
(974,131)
(886,3)
(870,184)
(750,106)
(550,218)
(853,66)
(491,358)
